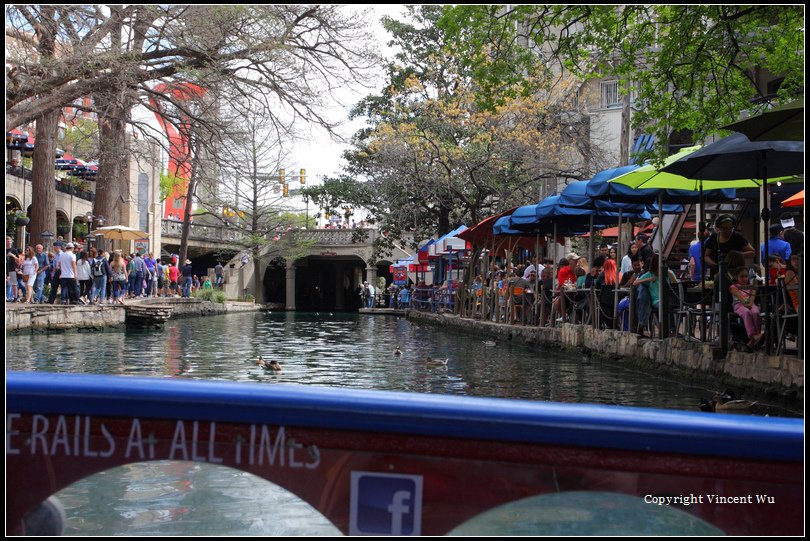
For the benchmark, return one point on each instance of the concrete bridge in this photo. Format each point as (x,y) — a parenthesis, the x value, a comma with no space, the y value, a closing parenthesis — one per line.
(336,263)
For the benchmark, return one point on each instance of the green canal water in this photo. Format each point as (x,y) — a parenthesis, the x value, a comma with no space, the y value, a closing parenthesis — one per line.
(334,350)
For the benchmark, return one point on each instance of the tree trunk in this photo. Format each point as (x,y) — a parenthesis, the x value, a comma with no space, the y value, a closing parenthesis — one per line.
(257,279)
(444,220)
(192,187)
(43,189)
(112,107)
(112,159)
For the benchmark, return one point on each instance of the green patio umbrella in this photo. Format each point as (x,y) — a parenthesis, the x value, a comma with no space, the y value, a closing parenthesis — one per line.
(782,123)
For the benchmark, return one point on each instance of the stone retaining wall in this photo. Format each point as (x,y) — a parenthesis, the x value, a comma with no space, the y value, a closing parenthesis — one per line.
(46,317)
(784,371)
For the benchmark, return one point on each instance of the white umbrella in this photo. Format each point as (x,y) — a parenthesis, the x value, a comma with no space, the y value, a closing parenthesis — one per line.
(120,232)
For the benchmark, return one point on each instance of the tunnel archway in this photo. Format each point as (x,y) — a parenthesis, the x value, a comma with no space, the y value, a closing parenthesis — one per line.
(328,283)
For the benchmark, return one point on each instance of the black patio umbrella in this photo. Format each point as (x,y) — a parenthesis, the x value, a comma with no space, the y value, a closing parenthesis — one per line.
(783,123)
(738,162)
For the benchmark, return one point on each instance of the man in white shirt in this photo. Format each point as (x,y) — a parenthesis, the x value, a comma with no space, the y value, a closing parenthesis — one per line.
(535,267)
(68,279)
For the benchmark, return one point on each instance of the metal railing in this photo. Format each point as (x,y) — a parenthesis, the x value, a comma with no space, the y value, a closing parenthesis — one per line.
(63,187)
(174,228)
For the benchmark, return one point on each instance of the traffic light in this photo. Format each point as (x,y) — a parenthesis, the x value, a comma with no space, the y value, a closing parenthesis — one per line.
(281,176)
(303,176)
(286,190)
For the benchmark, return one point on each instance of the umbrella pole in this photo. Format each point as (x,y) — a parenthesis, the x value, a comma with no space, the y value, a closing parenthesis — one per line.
(662,272)
(618,268)
(702,269)
(590,239)
(536,272)
(766,216)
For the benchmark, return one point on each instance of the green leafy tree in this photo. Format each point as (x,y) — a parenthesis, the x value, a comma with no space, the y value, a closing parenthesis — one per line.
(80,139)
(693,67)
(433,157)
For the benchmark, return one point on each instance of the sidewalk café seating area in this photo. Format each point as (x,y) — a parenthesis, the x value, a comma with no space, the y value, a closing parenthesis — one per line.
(689,314)
(692,311)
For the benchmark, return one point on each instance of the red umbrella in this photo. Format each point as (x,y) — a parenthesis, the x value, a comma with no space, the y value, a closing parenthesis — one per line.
(796,200)
(481,233)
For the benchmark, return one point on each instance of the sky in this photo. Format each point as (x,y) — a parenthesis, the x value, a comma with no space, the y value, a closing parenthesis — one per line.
(321,156)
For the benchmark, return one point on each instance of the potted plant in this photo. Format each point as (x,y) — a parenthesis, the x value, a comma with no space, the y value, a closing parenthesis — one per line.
(62,229)
(21,218)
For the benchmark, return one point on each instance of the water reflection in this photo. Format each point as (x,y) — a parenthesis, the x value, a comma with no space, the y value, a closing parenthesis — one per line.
(181,498)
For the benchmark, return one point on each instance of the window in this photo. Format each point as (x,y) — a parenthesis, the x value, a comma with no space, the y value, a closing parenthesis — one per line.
(609,92)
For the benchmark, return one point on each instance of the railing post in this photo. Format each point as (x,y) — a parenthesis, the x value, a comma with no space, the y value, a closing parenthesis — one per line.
(632,316)
(723,298)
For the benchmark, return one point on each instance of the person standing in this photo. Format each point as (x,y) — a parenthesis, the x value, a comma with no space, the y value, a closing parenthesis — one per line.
(188,277)
(160,270)
(793,236)
(220,278)
(370,296)
(151,277)
(138,268)
(84,277)
(723,241)
(29,273)
(695,262)
(118,273)
(174,275)
(68,279)
(11,274)
(56,272)
(43,264)
(645,251)
(627,260)
(100,270)
(777,246)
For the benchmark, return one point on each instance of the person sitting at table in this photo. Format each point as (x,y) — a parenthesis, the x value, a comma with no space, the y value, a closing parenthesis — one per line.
(521,289)
(627,260)
(648,295)
(606,284)
(547,281)
(745,307)
(593,274)
(792,279)
(580,273)
(566,278)
(625,281)
(636,268)
(776,268)
(722,241)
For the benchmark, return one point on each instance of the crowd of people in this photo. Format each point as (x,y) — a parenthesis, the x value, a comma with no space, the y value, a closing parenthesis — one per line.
(93,277)
(516,285)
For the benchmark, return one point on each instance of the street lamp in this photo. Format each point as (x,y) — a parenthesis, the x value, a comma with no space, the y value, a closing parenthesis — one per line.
(46,237)
(92,218)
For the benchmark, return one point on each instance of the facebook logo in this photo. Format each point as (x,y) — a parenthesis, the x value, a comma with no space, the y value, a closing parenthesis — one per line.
(385,504)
